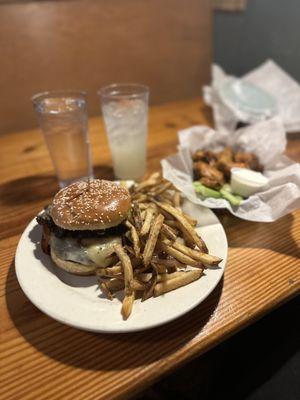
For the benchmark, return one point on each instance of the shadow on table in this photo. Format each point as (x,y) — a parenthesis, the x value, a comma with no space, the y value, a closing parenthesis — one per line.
(246,234)
(31,189)
(95,351)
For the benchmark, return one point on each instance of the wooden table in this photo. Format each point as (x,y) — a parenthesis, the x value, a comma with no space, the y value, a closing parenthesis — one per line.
(43,359)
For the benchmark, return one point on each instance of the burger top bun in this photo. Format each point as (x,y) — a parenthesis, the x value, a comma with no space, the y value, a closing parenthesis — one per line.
(93,205)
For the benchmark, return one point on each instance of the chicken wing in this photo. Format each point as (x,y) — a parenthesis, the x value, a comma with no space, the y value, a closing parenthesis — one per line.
(249,159)
(208,175)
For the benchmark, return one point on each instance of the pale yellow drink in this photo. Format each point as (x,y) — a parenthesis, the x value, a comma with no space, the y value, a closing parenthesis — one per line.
(126,122)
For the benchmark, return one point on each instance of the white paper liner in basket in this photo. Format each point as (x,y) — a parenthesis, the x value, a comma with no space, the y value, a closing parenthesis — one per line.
(267,140)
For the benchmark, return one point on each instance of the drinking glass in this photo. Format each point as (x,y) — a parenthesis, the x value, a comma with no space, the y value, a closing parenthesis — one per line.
(63,119)
(125,112)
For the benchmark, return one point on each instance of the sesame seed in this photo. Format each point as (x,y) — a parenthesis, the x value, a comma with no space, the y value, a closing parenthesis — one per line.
(79,202)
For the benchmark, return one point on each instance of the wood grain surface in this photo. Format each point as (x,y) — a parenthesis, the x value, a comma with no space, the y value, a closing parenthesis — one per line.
(76,44)
(43,359)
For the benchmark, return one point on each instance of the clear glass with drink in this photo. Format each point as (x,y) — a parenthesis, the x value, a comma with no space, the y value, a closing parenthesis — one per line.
(63,119)
(125,113)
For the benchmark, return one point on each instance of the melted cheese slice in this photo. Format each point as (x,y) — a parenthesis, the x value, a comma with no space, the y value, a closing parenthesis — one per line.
(100,250)
(85,251)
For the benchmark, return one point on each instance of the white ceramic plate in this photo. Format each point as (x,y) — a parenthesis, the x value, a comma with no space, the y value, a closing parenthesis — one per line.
(78,302)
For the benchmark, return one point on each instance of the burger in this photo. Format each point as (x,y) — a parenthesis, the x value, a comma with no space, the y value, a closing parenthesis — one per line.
(83,223)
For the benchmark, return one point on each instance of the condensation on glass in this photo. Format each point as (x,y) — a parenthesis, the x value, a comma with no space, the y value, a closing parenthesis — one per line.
(125,113)
(64,122)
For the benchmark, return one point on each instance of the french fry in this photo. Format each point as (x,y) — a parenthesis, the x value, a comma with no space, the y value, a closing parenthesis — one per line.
(169,262)
(167,216)
(114,285)
(137,218)
(160,189)
(135,238)
(144,277)
(176,199)
(205,258)
(143,206)
(143,214)
(188,242)
(104,288)
(161,269)
(169,232)
(140,198)
(144,268)
(109,271)
(111,286)
(174,188)
(166,277)
(151,242)
(128,234)
(166,196)
(184,279)
(135,262)
(128,281)
(164,200)
(184,224)
(170,218)
(129,250)
(127,304)
(127,267)
(172,223)
(150,286)
(147,222)
(154,206)
(184,259)
(151,181)
(137,285)
(190,220)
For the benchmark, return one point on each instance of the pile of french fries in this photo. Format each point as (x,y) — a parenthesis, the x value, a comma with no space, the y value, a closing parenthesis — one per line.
(160,252)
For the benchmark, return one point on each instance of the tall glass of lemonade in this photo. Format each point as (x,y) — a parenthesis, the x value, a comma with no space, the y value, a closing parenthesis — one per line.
(125,113)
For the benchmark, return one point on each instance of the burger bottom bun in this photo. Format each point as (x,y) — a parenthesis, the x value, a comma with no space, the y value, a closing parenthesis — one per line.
(73,267)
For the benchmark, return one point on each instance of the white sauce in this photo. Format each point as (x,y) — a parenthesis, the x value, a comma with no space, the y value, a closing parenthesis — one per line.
(246,182)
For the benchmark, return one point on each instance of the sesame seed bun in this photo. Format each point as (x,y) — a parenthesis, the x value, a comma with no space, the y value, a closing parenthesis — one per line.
(94,205)
(72,266)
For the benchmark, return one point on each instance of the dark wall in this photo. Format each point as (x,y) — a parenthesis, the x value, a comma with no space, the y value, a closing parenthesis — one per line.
(266,29)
